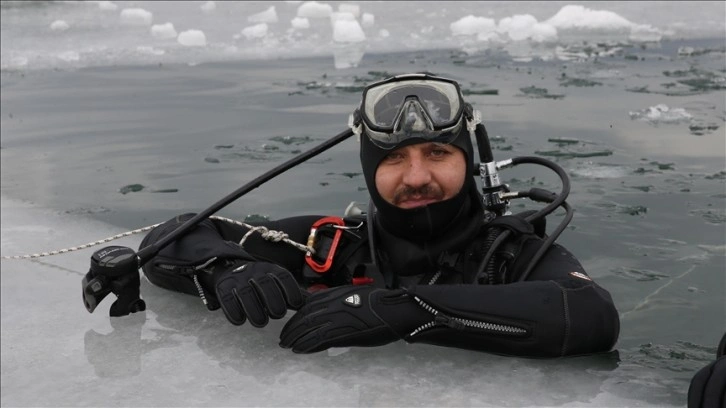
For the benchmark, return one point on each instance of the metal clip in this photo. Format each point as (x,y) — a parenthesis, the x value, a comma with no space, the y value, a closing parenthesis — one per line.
(339,225)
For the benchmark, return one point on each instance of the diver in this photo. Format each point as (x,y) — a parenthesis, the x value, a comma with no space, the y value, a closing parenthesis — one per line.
(431,260)
(708,386)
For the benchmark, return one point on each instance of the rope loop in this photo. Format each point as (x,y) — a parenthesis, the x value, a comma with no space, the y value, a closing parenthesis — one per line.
(274,236)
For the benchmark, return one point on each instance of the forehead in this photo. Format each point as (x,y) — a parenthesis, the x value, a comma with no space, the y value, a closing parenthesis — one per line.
(427,146)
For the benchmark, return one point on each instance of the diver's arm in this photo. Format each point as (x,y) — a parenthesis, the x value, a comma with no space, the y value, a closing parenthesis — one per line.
(558,310)
(534,318)
(562,314)
(214,245)
(223,273)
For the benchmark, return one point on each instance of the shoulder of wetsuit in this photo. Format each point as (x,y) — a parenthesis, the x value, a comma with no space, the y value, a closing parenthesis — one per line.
(708,386)
(518,224)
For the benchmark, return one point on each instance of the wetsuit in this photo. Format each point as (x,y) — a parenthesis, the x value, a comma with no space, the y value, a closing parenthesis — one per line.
(558,310)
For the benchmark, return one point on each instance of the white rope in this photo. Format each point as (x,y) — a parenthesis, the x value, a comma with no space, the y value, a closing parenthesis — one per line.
(84,246)
(270,235)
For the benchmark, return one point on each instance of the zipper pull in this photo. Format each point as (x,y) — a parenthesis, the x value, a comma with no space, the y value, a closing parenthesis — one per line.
(442,319)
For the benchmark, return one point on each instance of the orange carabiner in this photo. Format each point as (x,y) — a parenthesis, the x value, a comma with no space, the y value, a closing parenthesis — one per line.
(324,267)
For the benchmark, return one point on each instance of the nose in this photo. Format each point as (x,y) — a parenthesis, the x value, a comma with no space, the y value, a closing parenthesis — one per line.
(417,173)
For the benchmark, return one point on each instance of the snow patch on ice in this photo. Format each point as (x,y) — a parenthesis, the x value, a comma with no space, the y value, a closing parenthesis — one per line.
(267,16)
(59,25)
(136,17)
(300,23)
(107,6)
(313,9)
(661,113)
(163,31)
(192,38)
(208,7)
(346,29)
(255,31)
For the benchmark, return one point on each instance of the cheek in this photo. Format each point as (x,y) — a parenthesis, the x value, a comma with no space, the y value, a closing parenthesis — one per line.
(452,176)
(386,183)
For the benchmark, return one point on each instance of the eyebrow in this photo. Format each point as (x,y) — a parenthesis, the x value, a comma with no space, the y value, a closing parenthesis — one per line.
(439,144)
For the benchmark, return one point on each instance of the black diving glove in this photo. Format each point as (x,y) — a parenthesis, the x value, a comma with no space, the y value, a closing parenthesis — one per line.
(352,316)
(256,291)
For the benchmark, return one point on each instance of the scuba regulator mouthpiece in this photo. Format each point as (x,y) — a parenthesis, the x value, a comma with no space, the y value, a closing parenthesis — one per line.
(114,269)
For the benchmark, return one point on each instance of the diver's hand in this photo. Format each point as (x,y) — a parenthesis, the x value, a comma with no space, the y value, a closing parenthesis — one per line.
(256,291)
(350,316)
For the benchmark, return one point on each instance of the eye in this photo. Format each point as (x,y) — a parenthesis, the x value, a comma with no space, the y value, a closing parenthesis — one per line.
(439,151)
(393,156)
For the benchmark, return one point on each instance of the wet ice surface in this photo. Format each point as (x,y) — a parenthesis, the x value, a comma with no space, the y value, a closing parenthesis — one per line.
(127,142)
(176,353)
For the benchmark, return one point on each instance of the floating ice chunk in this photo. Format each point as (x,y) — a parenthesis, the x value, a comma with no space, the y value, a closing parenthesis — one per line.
(592,170)
(348,55)
(472,25)
(107,6)
(383,33)
(59,25)
(146,49)
(208,7)
(661,113)
(255,31)
(192,38)
(230,49)
(300,23)
(367,20)
(136,16)
(69,56)
(353,9)
(163,31)
(267,16)
(579,17)
(313,9)
(347,31)
(15,62)
(714,249)
(645,33)
(526,27)
(489,36)
(342,16)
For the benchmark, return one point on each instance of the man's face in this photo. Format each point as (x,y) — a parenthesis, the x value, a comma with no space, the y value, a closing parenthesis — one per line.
(421,174)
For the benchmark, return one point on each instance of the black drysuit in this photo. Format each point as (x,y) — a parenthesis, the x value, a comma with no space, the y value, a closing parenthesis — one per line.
(443,296)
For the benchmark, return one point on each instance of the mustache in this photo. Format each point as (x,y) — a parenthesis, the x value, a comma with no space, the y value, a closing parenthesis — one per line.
(419,193)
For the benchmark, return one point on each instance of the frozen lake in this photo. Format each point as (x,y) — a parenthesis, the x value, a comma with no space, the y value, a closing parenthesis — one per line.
(109,125)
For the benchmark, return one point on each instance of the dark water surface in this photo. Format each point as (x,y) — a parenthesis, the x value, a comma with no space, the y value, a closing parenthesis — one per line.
(133,146)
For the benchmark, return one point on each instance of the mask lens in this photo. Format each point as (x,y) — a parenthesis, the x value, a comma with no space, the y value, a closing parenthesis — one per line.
(441,100)
(413,119)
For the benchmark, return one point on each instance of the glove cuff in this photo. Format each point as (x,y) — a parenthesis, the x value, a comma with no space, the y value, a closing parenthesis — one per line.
(399,311)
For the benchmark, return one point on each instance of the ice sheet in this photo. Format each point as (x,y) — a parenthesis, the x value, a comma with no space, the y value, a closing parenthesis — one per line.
(54,353)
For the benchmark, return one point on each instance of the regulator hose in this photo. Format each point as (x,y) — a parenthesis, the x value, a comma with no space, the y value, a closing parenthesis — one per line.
(487,265)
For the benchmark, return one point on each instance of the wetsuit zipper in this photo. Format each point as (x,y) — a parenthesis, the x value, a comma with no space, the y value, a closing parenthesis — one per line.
(458,323)
(193,269)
